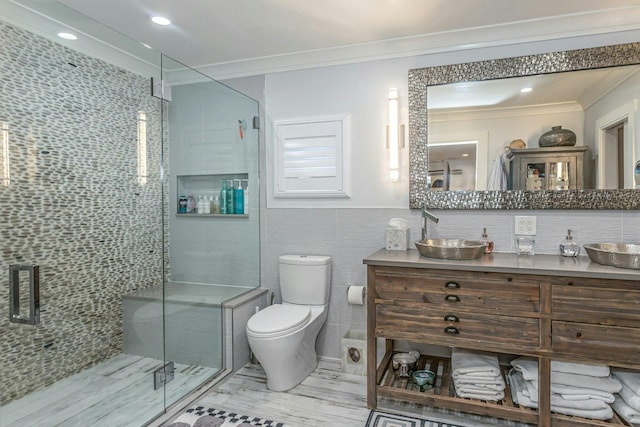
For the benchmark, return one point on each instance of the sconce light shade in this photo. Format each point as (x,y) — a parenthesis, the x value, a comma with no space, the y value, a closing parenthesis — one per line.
(392,135)
(5,177)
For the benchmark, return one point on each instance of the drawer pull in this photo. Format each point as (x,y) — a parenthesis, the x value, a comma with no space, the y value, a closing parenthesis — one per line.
(452,298)
(451,318)
(452,285)
(578,334)
(451,330)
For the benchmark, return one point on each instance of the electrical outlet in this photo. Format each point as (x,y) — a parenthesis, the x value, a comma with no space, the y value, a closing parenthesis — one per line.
(525,225)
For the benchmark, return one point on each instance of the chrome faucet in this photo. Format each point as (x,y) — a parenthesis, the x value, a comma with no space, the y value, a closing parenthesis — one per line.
(426,215)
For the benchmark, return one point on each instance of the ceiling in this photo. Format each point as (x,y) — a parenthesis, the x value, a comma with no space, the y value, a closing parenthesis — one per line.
(242,37)
(582,88)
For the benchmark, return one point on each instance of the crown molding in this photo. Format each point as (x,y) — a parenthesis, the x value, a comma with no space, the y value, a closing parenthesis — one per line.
(564,27)
(117,49)
(503,113)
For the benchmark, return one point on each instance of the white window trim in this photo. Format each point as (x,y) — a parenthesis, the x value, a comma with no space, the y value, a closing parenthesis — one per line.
(343,160)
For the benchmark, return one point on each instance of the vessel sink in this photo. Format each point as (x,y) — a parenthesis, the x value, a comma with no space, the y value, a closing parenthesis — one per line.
(614,254)
(451,249)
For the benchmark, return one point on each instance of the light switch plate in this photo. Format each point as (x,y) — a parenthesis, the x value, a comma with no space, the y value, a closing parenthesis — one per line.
(525,226)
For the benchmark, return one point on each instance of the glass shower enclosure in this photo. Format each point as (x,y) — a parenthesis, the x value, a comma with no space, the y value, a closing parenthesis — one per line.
(111,306)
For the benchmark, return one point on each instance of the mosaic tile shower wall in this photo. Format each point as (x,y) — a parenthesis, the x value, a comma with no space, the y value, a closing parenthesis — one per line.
(74,205)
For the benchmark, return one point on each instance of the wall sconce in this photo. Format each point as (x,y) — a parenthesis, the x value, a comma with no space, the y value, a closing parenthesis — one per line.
(5,175)
(395,136)
(142,148)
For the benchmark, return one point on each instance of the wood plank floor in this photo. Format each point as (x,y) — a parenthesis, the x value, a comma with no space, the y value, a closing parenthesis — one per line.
(328,397)
(118,392)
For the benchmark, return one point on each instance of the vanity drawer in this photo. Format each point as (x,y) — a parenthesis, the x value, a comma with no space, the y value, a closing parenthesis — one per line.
(413,322)
(492,293)
(607,343)
(605,305)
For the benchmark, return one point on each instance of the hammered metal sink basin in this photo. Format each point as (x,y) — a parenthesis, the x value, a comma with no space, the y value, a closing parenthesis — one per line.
(451,249)
(614,254)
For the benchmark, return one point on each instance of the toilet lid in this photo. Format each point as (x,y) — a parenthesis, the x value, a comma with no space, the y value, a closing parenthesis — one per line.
(278,318)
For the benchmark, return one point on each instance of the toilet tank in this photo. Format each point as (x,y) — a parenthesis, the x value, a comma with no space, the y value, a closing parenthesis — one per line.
(305,279)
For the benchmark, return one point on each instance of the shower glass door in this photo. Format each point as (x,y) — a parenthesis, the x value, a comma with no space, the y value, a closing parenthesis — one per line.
(112,299)
(212,235)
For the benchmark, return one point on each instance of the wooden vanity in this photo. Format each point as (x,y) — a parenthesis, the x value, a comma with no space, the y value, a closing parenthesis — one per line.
(545,306)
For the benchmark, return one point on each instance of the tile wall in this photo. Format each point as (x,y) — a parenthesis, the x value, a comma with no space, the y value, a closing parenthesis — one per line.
(74,206)
(349,235)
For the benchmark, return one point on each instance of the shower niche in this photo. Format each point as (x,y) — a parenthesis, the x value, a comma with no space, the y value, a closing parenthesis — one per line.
(207,190)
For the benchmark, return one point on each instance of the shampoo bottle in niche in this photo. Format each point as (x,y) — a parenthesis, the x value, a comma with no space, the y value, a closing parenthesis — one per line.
(191,204)
(215,204)
(485,239)
(182,205)
(231,208)
(568,247)
(245,187)
(239,198)
(200,205)
(223,198)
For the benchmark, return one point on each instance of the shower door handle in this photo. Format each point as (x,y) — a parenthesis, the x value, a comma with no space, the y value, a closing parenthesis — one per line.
(34,294)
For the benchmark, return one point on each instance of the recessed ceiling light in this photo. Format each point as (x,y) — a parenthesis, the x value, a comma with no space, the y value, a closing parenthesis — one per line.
(67,36)
(526,89)
(145,45)
(160,20)
(465,154)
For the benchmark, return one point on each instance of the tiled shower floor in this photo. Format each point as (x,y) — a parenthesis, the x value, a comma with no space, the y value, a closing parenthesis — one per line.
(118,392)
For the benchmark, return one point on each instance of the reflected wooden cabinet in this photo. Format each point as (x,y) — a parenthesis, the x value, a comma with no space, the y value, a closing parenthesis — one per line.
(552,168)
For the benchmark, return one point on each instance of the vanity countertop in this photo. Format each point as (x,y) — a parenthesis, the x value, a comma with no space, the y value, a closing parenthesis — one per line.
(551,265)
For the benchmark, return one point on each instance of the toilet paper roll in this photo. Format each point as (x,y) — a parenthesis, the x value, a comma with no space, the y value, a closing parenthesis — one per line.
(355,295)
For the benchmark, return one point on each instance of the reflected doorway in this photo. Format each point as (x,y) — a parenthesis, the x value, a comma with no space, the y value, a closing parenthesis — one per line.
(452,165)
(615,149)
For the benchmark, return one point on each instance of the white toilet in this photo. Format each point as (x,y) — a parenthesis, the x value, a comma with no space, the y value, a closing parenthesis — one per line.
(283,336)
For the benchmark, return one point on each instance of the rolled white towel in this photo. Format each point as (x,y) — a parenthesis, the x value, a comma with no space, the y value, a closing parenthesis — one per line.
(529,369)
(577,393)
(630,398)
(517,388)
(631,379)
(629,414)
(474,362)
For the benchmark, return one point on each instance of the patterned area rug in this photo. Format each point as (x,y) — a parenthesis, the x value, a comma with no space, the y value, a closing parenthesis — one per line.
(381,419)
(199,416)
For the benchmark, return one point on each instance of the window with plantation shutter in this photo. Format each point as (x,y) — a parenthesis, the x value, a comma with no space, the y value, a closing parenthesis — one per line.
(312,157)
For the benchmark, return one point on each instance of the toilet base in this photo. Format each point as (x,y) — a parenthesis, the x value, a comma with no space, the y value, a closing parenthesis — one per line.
(289,359)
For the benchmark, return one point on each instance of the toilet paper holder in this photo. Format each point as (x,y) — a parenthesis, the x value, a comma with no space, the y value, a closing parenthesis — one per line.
(356,295)
(364,290)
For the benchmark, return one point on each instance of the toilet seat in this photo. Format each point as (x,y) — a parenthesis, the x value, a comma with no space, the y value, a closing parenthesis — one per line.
(278,320)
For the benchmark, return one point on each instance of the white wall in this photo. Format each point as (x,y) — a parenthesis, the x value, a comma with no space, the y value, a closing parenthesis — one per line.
(351,229)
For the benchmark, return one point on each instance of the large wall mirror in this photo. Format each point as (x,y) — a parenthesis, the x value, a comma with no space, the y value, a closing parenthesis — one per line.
(475,128)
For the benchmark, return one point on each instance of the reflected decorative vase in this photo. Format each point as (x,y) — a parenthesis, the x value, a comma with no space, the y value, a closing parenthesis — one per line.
(557,137)
(636,173)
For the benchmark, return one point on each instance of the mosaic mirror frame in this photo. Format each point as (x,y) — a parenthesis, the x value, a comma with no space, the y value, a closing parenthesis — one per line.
(573,60)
